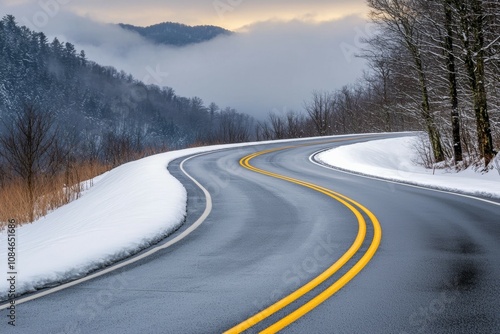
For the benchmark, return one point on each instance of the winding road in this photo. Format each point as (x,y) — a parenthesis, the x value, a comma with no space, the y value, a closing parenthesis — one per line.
(291,245)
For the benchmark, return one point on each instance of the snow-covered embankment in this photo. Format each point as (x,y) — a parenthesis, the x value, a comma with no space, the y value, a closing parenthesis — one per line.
(396,159)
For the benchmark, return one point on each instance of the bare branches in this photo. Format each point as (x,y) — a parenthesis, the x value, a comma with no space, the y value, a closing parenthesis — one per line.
(30,147)
(445,52)
(320,111)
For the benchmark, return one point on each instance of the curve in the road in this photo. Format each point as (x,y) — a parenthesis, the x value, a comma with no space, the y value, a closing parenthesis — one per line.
(352,205)
(439,250)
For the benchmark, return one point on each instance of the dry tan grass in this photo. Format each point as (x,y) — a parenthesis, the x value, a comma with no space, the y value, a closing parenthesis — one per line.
(50,192)
(14,203)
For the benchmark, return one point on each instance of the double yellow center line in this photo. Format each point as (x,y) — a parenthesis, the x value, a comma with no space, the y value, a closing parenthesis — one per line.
(352,205)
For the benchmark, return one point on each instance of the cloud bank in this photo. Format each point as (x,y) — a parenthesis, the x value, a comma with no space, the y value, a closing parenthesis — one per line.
(272,65)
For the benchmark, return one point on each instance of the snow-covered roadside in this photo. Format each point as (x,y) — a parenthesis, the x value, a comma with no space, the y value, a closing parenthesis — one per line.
(128,209)
(137,204)
(395,159)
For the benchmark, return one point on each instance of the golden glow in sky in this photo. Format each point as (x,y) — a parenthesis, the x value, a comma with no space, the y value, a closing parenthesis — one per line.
(230,14)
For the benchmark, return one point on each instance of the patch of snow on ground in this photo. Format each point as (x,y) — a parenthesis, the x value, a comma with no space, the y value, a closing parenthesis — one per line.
(395,159)
(127,209)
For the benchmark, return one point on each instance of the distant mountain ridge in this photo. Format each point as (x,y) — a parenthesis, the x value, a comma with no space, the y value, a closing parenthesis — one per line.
(177,34)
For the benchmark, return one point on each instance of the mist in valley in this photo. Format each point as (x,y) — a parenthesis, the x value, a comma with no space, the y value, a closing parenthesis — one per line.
(267,66)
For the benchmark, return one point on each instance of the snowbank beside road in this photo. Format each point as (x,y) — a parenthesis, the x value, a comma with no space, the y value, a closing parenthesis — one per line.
(126,210)
(395,159)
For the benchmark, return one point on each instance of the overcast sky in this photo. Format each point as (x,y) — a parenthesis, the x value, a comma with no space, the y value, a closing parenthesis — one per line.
(282,51)
(230,14)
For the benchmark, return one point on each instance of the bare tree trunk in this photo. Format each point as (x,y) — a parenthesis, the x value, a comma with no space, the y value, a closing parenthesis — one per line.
(432,130)
(480,98)
(452,78)
(472,24)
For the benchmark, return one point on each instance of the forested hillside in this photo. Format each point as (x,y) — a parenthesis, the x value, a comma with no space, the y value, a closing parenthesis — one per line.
(92,100)
(177,34)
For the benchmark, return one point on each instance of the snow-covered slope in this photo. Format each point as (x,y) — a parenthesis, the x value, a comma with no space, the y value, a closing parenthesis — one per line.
(395,159)
(127,209)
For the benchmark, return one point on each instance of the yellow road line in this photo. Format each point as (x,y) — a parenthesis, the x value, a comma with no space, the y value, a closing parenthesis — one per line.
(339,284)
(349,203)
(323,276)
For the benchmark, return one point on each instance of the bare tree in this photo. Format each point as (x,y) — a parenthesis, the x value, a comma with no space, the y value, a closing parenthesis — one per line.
(379,83)
(28,146)
(263,131)
(320,111)
(452,79)
(121,147)
(472,33)
(278,126)
(234,127)
(437,25)
(398,20)
(295,124)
